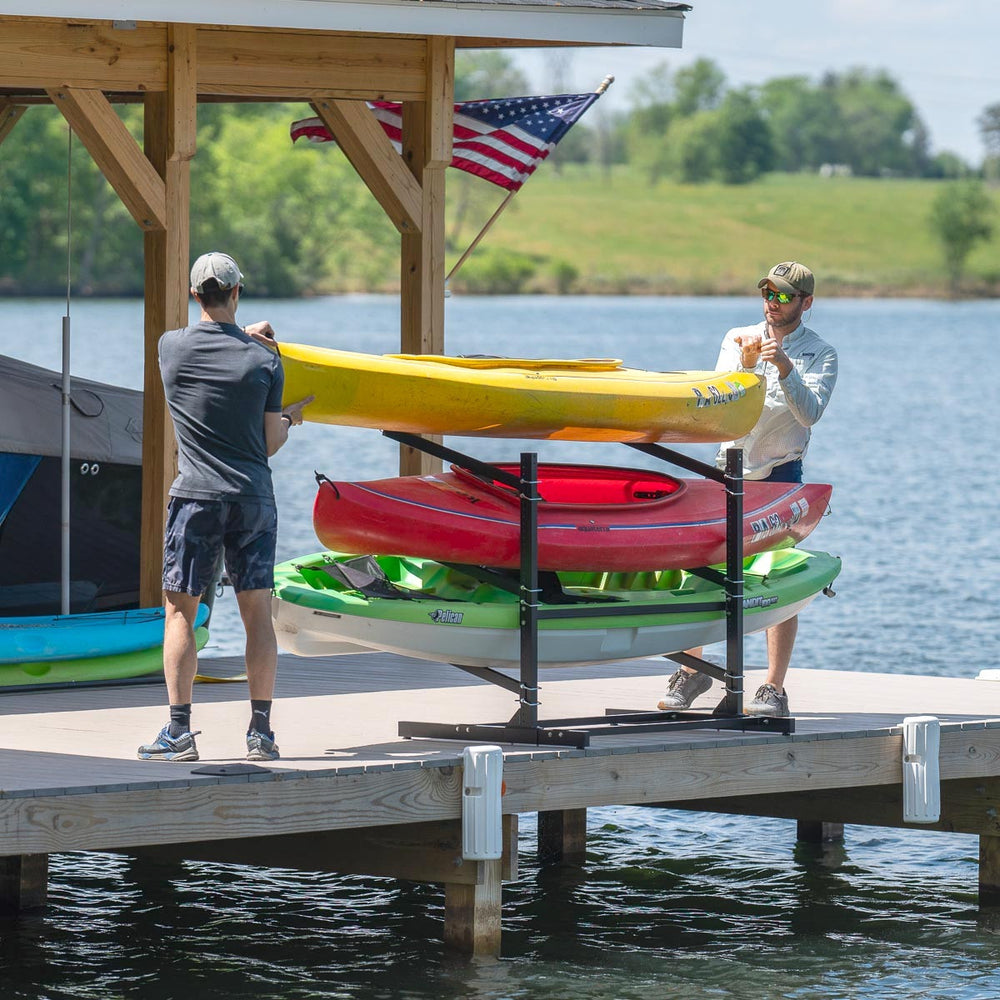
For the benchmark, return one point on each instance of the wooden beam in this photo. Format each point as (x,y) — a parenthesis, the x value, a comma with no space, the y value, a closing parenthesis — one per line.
(10,114)
(185,809)
(440,101)
(116,152)
(23,882)
(418,852)
(182,92)
(562,837)
(307,64)
(41,53)
(179,813)
(726,772)
(426,141)
(968,805)
(168,137)
(370,152)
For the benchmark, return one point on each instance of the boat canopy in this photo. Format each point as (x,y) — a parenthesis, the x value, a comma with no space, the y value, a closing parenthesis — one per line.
(106,422)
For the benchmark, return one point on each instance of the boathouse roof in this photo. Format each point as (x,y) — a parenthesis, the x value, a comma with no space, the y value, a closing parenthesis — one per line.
(607,22)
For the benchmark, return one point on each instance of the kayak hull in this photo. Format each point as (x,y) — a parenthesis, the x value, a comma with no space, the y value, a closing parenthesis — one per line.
(625,520)
(517,398)
(120,666)
(483,630)
(83,636)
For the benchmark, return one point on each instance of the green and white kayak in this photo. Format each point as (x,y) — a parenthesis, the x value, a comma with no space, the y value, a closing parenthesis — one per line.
(333,603)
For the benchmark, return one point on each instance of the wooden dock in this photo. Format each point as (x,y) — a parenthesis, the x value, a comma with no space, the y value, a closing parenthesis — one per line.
(350,795)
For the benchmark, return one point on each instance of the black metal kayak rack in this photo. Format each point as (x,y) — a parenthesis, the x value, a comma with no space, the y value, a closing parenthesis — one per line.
(525,726)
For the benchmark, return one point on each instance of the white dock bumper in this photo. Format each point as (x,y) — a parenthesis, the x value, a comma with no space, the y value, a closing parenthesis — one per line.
(482,827)
(921,773)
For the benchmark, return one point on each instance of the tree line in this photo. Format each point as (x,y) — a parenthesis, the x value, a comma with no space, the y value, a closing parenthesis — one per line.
(304,222)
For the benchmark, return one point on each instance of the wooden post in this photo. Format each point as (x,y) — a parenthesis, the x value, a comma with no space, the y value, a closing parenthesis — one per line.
(472,913)
(426,141)
(817,832)
(170,131)
(23,882)
(989,870)
(562,837)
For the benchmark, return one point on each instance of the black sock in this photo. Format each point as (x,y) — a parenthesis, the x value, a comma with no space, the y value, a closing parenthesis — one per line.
(260,718)
(180,720)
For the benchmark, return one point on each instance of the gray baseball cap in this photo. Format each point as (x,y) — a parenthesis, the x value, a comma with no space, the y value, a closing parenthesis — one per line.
(791,277)
(219,266)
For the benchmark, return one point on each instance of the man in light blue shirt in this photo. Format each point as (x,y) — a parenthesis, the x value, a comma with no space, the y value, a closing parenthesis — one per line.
(800,371)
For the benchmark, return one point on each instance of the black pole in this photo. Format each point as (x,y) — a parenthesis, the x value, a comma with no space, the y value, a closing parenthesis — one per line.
(527,714)
(734,581)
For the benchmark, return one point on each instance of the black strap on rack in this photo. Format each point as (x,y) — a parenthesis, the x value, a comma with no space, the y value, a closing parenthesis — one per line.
(524,726)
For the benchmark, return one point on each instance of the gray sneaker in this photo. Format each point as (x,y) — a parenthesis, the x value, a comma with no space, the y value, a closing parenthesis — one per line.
(261,746)
(167,747)
(768,701)
(682,689)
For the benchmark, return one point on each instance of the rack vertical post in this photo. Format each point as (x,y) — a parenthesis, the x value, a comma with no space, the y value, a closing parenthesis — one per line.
(524,726)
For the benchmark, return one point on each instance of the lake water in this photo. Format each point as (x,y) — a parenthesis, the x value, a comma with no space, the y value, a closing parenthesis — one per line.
(670,904)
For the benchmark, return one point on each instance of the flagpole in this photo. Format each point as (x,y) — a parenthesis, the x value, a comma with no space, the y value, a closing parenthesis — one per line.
(605,83)
(482,232)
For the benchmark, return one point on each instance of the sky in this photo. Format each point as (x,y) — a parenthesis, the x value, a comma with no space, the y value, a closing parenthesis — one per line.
(943,54)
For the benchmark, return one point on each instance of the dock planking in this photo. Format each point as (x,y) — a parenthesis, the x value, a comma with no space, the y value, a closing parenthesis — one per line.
(69,779)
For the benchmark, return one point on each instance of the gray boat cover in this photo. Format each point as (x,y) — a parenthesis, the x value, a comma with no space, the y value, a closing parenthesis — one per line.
(105,422)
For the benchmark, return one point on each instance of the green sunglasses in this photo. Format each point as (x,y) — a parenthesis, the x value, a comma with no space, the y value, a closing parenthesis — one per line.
(783,297)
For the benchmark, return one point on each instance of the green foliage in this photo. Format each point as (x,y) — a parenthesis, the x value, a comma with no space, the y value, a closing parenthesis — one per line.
(36,176)
(485,73)
(883,134)
(948,166)
(859,118)
(699,87)
(805,126)
(744,148)
(495,271)
(960,217)
(989,130)
(297,217)
(691,149)
(564,276)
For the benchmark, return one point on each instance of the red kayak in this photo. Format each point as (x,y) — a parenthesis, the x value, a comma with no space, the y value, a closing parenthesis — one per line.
(591,518)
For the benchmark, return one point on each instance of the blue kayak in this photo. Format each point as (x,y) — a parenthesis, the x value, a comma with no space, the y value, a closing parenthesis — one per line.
(71,637)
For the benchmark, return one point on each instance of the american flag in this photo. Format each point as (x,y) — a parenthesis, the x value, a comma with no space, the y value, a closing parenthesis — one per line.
(502,140)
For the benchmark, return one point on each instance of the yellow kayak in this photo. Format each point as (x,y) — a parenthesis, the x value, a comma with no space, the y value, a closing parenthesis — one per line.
(589,399)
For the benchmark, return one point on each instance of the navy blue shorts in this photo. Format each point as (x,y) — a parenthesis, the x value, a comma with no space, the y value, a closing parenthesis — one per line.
(790,472)
(199,531)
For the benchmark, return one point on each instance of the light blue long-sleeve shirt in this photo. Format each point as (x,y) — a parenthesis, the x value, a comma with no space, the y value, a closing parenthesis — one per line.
(792,404)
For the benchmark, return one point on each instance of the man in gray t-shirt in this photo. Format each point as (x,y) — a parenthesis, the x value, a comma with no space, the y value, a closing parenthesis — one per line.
(223,385)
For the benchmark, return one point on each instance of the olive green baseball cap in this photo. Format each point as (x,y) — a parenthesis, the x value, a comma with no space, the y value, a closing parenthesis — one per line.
(790,276)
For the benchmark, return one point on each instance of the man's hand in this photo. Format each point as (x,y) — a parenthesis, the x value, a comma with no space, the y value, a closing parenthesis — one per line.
(294,410)
(772,353)
(263,333)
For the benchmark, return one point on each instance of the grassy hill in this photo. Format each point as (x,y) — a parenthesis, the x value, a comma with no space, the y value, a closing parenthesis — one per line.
(861,236)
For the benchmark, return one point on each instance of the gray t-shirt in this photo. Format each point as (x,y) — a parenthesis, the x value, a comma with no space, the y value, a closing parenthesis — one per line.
(219,382)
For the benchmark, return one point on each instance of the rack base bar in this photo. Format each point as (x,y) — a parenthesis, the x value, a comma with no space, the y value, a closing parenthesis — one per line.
(578,732)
